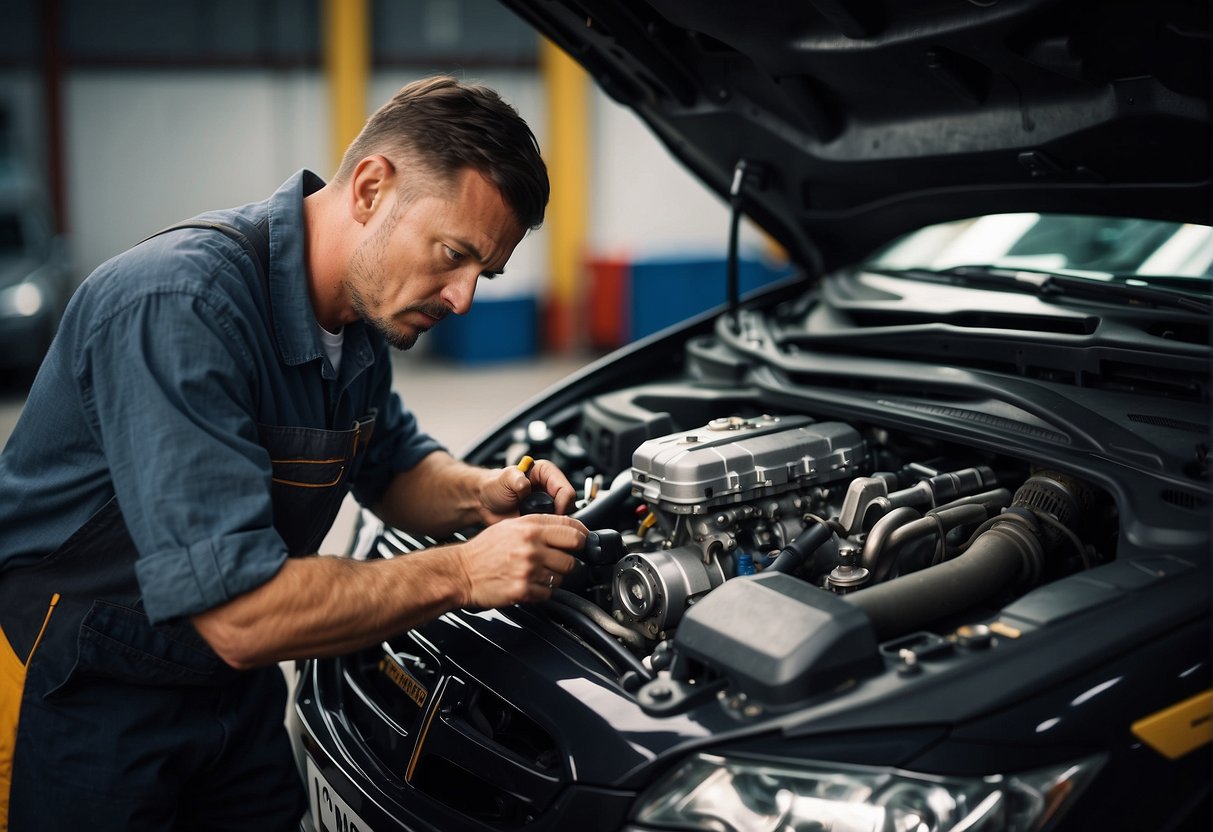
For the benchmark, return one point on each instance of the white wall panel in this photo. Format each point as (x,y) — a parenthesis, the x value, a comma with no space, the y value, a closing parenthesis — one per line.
(144,150)
(645,203)
(21,98)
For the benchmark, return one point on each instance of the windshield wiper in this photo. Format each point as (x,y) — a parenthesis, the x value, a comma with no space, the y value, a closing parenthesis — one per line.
(1053,285)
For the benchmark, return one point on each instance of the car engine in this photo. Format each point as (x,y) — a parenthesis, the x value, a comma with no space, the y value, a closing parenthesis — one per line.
(779,550)
(719,499)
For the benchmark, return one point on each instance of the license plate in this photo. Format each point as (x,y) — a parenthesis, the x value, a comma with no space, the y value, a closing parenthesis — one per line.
(329,812)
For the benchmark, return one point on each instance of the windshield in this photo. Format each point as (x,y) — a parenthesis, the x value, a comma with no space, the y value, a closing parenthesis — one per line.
(1101,248)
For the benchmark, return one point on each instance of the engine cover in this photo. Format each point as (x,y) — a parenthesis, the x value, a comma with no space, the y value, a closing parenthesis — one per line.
(733,459)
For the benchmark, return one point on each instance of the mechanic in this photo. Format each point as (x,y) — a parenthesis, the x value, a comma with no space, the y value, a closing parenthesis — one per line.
(210,398)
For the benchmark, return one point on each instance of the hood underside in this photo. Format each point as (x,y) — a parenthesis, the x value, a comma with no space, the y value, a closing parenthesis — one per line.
(861,120)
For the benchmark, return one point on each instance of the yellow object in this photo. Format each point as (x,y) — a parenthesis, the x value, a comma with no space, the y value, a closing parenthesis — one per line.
(12,686)
(646,524)
(566,152)
(347,66)
(404,680)
(1004,629)
(1181,728)
(524,464)
(425,730)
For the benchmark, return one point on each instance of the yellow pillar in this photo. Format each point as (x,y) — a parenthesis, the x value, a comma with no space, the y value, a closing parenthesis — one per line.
(567,156)
(347,66)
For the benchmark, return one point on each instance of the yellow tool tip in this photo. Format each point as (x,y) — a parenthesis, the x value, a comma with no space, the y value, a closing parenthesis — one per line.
(524,464)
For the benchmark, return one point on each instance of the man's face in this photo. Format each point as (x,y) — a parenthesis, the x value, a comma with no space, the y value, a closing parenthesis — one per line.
(424,259)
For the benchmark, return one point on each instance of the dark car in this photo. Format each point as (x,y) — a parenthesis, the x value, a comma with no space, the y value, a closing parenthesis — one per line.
(35,275)
(917,540)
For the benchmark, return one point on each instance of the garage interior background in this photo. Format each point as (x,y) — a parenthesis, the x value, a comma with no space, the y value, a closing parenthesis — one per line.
(138,113)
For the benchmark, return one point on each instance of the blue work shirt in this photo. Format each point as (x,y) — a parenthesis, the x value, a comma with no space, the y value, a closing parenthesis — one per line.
(153,390)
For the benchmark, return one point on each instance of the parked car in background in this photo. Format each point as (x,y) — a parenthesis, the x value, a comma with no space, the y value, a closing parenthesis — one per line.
(36,279)
(918,540)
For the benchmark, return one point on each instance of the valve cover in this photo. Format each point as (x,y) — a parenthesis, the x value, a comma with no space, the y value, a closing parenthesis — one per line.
(734,459)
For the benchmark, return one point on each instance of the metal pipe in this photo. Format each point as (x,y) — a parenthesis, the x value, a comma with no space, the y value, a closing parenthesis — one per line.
(347,67)
(567,151)
(600,617)
(878,538)
(943,520)
(597,637)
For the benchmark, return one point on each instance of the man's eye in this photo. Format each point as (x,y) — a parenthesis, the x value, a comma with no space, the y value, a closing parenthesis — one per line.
(453,255)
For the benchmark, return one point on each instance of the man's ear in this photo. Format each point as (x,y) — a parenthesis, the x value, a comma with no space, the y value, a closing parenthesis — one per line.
(369,186)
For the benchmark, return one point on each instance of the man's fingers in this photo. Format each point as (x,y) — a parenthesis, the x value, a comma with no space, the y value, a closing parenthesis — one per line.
(515,483)
(556,562)
(522,558)
(550,479)
(560,532)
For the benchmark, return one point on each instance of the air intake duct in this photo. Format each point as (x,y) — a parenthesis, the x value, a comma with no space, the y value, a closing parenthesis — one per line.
(1008,555)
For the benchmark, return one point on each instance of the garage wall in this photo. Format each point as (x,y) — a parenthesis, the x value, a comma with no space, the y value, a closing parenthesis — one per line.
(144,149)
(644,203)
(21,102)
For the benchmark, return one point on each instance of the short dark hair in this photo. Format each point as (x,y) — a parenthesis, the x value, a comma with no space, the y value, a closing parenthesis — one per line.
(445,125)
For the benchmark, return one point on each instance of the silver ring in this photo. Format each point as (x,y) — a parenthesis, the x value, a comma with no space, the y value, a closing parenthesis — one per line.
(551,580)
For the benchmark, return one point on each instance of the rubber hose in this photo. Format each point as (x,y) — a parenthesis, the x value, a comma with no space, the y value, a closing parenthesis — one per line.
(596,514)
(948,518)
(998,560)
(600,617)
(598,637)
(802,548)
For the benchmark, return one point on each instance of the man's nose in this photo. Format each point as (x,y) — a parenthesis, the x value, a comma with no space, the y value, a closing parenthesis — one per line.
(457,294)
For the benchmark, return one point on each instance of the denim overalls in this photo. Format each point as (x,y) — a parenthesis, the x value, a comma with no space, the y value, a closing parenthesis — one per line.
(124,725)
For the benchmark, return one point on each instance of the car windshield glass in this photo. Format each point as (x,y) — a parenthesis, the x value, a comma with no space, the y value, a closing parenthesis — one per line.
(1101,249)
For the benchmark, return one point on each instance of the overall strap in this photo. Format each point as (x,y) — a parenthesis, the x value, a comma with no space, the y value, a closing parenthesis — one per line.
(252,237)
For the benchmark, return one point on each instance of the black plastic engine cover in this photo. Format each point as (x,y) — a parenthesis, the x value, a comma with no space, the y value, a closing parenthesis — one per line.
(779,639)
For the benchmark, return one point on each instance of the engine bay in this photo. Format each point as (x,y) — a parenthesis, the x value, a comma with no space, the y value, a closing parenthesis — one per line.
(778,553)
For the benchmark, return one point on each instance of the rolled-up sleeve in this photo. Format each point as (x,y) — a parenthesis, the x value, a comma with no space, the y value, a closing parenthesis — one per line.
(166,384)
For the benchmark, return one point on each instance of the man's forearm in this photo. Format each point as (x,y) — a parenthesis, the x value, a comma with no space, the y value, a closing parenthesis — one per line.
(324,606)
(439,496)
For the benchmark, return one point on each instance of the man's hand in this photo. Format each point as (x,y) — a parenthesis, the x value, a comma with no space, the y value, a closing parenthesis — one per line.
(501,494)
(519,559)
(441,495)
(324,606)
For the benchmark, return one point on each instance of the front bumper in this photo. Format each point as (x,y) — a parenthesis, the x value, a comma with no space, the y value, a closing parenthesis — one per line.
(531,739)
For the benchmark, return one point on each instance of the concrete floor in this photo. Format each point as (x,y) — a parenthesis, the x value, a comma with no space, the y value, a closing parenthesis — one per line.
(456,403)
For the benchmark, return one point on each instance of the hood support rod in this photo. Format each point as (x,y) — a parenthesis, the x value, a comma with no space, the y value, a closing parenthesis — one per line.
(733,283)
(744,172)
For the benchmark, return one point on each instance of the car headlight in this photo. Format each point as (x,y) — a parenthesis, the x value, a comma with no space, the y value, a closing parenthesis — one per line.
(723,794)
(23,300)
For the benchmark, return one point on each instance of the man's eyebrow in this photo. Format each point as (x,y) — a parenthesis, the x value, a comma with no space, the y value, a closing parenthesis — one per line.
(468,248)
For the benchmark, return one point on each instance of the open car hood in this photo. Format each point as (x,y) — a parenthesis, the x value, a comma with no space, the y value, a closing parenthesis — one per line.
(861,120)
